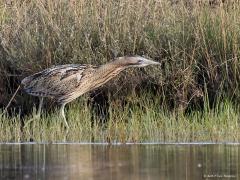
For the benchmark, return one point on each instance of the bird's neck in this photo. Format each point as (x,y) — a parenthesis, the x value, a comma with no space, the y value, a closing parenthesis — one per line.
(106,72)
(111,65)
(110,69)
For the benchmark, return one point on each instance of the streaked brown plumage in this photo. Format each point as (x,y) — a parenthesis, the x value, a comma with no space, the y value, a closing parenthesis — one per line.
(64,83)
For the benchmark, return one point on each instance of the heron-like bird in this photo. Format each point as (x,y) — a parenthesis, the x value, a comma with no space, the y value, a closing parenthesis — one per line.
(64,83)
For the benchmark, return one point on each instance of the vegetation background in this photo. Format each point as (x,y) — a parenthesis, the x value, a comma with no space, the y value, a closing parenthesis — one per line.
(193,96)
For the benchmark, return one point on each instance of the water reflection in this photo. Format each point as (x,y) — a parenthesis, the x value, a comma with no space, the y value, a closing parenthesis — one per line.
(45,161)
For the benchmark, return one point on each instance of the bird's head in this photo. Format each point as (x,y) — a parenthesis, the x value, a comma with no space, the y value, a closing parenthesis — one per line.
(135,61)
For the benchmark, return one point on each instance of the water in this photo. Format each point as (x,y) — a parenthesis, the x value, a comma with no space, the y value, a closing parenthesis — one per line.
(103,162)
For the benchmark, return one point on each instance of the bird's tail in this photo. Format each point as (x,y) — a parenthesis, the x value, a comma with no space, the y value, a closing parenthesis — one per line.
(5,110)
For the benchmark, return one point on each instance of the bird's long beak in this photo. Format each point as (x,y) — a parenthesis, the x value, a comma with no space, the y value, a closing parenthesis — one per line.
(154,62)
(149,62)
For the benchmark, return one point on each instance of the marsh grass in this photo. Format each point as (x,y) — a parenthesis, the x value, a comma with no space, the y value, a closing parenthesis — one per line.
(197,45)
(148,123)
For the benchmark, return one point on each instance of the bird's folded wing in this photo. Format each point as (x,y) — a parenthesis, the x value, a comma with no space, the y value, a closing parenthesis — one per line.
(56,81)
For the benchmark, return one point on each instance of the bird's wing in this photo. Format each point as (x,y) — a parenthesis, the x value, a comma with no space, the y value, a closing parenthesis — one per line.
(56,81)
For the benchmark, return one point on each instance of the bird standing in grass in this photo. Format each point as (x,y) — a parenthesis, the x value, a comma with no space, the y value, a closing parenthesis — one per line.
(64,83)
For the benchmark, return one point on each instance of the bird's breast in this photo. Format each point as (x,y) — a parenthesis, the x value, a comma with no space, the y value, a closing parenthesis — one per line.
(103,77)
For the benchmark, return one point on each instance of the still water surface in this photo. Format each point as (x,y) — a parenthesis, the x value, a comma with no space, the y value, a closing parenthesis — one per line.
(103,162)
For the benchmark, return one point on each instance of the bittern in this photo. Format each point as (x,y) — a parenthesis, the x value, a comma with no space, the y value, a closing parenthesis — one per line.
(64,83)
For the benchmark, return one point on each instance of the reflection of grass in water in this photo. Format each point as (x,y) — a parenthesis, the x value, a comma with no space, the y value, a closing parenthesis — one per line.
(146,122)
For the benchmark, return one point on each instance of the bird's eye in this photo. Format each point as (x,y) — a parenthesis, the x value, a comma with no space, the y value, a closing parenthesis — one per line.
(140,61)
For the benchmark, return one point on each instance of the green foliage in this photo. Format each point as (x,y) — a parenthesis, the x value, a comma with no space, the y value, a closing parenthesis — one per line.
(198,46)
(145,122)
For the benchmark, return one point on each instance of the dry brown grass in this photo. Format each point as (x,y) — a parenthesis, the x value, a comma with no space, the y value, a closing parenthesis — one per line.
(198,45)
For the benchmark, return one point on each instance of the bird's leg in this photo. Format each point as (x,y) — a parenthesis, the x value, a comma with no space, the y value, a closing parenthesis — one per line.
(63,115)
(40,107)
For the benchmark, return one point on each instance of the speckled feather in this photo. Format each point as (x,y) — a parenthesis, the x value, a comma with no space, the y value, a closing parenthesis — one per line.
(57,81)
(65,83)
